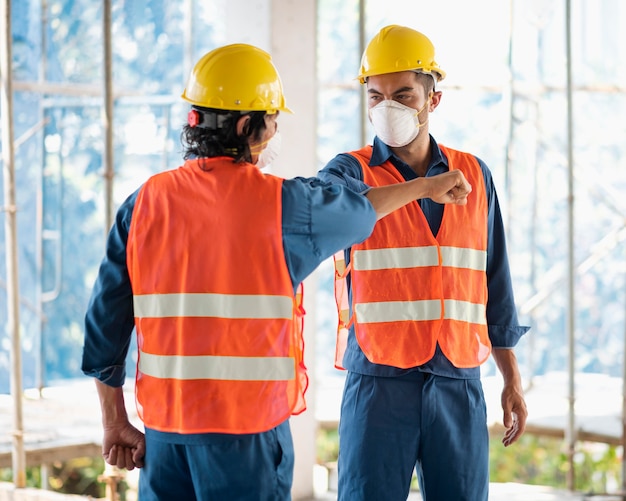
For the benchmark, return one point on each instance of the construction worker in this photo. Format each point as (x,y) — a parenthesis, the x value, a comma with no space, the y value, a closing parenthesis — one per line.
(205,263)
(429,297)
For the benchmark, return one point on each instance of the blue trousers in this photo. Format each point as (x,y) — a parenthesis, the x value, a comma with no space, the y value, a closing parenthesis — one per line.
(391,426)
(256,467)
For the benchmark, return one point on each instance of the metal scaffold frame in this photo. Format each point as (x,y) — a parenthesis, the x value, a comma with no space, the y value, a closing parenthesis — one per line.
(10,210)
(81,95)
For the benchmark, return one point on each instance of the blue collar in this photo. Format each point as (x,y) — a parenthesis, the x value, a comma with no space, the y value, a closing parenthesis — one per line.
(382,153)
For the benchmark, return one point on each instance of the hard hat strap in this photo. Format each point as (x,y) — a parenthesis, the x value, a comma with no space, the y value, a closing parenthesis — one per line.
(209,119)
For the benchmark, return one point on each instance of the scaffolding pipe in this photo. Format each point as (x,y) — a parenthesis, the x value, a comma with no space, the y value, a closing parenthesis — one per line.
(571,366)
(188,37)
(362,94)
(508,148)
(624,403)
(109,167)
(43,63)
(10,231)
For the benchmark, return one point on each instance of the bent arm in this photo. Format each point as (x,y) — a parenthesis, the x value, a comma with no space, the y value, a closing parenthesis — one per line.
(447,188)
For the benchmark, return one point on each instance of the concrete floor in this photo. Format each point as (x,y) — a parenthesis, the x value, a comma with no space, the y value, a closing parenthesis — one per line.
(40,413)
(513,492)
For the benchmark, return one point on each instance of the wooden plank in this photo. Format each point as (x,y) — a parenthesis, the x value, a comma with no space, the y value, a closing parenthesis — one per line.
(546,431)
(47,453)
(61,423)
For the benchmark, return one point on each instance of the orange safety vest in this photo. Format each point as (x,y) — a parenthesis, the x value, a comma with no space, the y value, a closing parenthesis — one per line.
(219,328)
(411,290)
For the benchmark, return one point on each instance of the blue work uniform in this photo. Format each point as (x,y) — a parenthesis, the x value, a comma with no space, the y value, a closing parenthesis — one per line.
(214,466)
(432,417)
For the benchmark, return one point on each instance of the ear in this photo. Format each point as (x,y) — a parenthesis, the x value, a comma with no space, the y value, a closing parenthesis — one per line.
(435,99)
(242,125)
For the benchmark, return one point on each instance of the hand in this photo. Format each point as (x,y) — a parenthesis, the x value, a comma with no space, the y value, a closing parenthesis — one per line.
(123,446)
(515,413)
(449,188)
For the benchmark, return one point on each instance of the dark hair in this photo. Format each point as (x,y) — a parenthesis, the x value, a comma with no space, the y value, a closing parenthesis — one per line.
(427,81)
(216,134)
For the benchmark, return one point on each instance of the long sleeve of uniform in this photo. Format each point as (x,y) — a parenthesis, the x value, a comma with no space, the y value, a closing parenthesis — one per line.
(502,321)
(318,220)
(109,321)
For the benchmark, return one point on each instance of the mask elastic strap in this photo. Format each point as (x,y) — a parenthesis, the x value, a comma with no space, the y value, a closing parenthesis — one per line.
(421,124)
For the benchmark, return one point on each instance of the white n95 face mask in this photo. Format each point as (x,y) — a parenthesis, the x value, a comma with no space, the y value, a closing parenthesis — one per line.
(270,152)
(394,123)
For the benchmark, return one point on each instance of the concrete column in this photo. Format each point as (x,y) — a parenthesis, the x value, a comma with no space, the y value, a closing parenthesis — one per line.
(293,47)
(287,30)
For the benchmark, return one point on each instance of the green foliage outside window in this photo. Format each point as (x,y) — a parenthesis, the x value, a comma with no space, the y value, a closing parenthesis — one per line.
(533,460)
(79,476)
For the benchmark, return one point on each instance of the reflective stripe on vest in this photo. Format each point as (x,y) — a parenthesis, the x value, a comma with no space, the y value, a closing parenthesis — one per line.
(412,257)
(212,305)
(415,311)
(217,367)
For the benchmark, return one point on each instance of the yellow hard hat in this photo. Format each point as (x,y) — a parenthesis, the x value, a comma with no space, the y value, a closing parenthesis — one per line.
(236,77)
(397,48)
